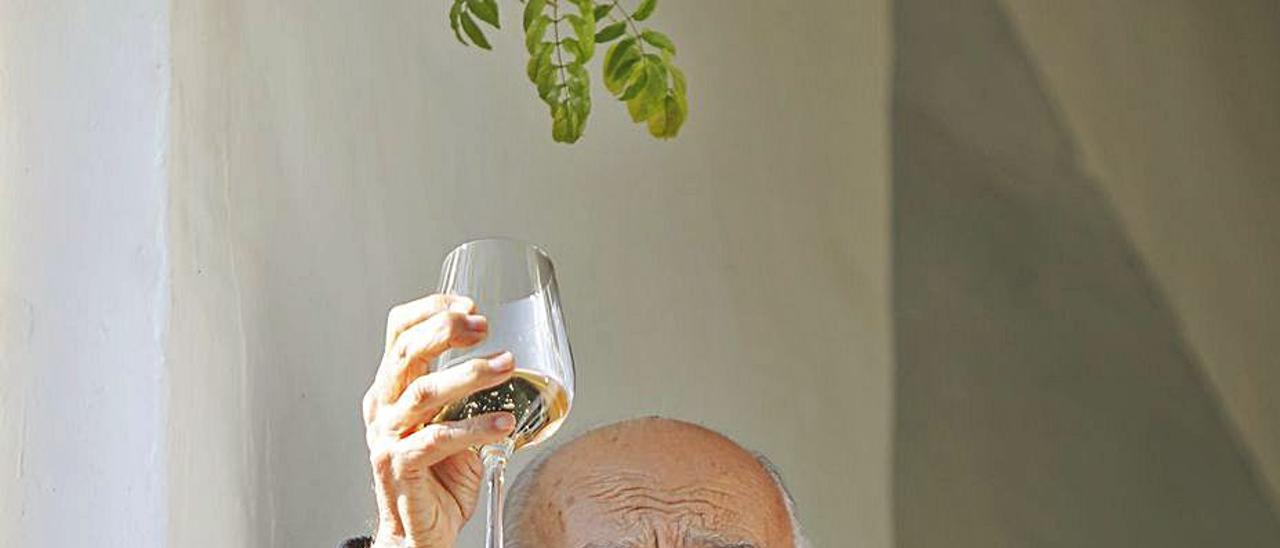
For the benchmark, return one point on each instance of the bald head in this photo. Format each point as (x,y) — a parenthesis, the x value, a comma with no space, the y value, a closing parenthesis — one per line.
(651,482)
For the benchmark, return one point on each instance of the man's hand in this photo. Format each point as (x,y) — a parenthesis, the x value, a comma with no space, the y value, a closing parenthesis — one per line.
(426,478)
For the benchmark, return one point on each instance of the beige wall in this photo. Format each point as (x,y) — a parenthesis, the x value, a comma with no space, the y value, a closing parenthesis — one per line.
(329,153)
(1084,265)
(1175,108)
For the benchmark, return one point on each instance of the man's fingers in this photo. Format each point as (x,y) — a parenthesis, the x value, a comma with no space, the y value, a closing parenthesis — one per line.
(426,395)
(436,442)
(440,332)
(402,317)
(423,342)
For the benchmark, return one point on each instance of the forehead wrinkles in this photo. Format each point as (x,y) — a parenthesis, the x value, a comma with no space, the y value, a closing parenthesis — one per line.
(637,495)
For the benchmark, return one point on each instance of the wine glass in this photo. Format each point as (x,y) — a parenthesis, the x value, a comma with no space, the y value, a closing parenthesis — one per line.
(514,284)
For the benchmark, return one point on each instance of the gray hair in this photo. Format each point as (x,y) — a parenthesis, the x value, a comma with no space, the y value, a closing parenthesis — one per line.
(518,497)
(797,532)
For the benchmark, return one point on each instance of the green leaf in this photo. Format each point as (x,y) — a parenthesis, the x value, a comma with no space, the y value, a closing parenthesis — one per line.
(636,87)
(537,60)
(585,29)
(546,83)
(532,10)
(581,108)
(611,32)
(588,47)
(567,121)
(550,95)
(657,87)
(639,109)
(486,10)
(634,64)
(666,121)
(614,54)
(454,23)
(561,126)
(677,77)
(617,81)
(579,79)
(473,31)
(645,10)
(537,30)
(658,40)
(617,55)
(571,46)
(602,11)
(650,98)
(657,61)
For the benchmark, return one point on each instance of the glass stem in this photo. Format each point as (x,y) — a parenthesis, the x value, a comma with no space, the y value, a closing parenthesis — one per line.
(495,465)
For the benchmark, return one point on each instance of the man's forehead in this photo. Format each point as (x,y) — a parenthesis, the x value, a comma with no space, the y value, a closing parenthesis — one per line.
(624,487)
(605,473)
(638,490)
(689,540)
(667,449)
(623,511)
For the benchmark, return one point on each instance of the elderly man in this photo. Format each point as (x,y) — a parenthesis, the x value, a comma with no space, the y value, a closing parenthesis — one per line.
(640,483)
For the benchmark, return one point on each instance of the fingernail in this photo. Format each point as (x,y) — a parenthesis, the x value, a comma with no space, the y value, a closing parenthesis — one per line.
(502,362)
(504,421)
(476,322)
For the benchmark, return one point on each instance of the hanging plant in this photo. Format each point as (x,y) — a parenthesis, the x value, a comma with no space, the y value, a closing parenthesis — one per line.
(561,37)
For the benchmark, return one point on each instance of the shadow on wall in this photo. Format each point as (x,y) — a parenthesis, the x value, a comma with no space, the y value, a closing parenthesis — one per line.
(1044,395)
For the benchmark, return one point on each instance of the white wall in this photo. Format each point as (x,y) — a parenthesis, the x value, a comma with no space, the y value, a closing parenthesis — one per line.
(1175,108)
(83,274)
(211,473)
(328,153)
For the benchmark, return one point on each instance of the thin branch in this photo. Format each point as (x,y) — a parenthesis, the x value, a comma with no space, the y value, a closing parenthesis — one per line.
(635,30)
(555,26)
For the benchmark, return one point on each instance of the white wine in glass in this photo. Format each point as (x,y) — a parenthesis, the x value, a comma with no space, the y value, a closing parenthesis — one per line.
(537,401)
(513,284)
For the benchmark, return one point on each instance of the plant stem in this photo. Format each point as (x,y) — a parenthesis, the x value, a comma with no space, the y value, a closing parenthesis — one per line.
(555,27)
(635,30)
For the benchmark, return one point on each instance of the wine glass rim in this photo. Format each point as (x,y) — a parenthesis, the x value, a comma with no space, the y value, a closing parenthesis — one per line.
(505,240)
